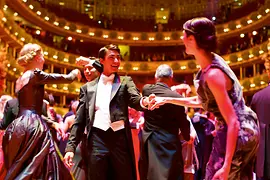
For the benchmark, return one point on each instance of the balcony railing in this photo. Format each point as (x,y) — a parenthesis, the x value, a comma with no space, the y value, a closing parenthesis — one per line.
(18,37)
(49,21)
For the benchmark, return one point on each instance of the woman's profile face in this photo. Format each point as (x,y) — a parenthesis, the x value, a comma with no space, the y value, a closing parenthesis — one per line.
(188,42)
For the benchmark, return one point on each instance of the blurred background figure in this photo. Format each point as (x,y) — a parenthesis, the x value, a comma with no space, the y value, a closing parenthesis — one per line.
(136,121)
(191,162)
(210,133)
(198,120)
(51,113)
(3,100)
(70,112)
(2,105)
(261,105)
(79,168)
(90,72)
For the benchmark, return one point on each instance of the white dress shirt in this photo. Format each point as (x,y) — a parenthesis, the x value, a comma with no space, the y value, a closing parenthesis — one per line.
(102,107)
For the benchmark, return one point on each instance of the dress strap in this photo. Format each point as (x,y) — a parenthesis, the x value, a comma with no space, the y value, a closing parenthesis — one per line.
(207,68)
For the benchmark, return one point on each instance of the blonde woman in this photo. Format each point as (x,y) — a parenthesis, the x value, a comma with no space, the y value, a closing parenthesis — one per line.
(28,146)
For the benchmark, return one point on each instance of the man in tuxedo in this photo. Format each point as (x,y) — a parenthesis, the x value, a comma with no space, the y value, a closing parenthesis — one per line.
(103,110)
(261,104)
(161,152)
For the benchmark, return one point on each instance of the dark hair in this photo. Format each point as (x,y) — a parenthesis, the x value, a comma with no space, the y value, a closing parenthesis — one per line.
(49,97)
(204,32)
(102,52)
(208,114)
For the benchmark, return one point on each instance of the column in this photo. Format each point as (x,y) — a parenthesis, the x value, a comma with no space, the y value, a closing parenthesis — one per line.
(51,68)
(64,99)
(12,88)
(241,73)
(258,68)
(95,9)
(64,70)
(110,9)
(254,69)
(177,12)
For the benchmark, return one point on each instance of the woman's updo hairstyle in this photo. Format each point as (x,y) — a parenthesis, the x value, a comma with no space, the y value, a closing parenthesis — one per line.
(27,53)
(204,32)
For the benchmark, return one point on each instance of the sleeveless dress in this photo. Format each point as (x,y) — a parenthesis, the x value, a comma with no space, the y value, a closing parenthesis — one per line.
(28,146)
(248,136)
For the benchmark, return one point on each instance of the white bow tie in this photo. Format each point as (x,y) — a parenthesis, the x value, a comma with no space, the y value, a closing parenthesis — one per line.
(106,79)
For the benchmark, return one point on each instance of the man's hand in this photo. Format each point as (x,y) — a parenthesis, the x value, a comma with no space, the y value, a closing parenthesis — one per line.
(66,136)
(148,100)
(68,159)
(214,133)
(77,72)
(182,89)
(156,102)
(82,61)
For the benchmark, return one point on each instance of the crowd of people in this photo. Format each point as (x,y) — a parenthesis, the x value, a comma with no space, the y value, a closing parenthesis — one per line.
(142,21)
(97,136)
(149,54)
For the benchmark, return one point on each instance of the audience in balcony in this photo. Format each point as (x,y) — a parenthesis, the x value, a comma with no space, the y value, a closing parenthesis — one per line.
(145,23)
(168,53)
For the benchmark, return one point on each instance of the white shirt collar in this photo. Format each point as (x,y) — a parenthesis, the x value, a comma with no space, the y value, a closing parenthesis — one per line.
(105,79)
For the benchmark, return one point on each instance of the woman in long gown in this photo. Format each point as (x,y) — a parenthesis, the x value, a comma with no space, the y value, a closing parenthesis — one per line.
(28,146)
(219,91)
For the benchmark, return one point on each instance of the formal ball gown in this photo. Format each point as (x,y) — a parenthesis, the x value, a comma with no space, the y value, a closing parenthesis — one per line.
(29,149)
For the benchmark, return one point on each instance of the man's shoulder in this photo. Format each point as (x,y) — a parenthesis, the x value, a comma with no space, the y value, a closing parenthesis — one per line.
(84,87)
(12,102)
(90,83)
(263,92)
(146,86)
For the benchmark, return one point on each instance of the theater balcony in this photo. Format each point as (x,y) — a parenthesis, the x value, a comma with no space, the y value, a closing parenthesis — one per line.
(246,62)
(34,13)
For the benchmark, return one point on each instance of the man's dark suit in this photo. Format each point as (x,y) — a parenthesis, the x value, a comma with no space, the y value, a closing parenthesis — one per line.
(11,111)
(261,105)
(161,152)
(124,93)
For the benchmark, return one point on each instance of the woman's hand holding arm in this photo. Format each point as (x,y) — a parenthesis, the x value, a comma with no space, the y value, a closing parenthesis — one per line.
(188,102)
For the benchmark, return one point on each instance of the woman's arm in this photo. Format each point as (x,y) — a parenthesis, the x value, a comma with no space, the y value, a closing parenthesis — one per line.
(219,90)
(188,102)
(54,78)
(68,123)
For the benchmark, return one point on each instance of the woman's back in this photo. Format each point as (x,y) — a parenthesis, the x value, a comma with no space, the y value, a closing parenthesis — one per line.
(30,95)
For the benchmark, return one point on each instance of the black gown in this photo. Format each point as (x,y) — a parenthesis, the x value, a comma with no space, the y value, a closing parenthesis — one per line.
(28,146)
